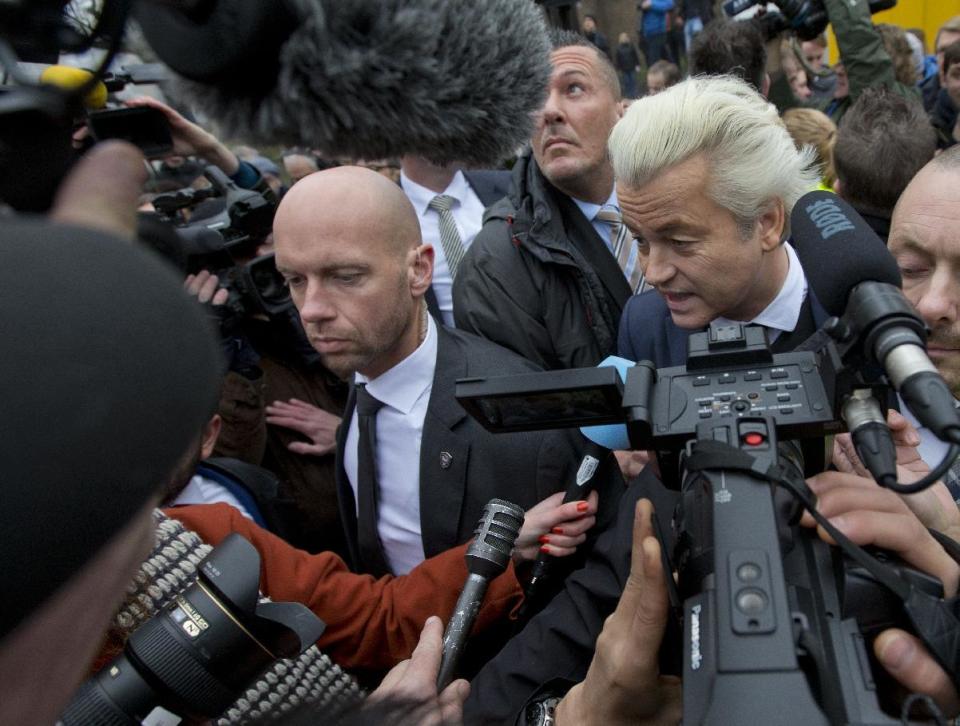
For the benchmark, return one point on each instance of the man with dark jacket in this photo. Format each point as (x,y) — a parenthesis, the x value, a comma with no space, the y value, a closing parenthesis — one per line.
(543,276)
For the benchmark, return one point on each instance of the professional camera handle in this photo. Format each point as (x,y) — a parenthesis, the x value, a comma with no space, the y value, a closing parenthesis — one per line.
(744,627)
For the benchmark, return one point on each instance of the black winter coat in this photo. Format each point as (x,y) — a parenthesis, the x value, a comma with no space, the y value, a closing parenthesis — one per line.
(539,280)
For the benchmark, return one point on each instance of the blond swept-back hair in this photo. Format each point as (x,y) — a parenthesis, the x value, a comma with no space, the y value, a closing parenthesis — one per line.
(752,158)
(810,127)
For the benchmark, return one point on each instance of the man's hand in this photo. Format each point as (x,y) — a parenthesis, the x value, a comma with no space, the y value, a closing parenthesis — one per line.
(623,684)
(907,660)
(871,515)
(415,680)
(102,189)
(316,424)
(190,139)
(554,527)
(933,506)
(206,288)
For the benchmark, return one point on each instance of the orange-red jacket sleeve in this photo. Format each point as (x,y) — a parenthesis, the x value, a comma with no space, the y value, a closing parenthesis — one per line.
(371,623)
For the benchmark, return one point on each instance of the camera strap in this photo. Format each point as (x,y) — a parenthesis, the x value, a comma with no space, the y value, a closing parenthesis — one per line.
(935,621)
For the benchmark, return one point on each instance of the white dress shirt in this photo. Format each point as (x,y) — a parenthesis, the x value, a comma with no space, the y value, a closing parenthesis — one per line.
(467,213)
(405,392)
(201,490)
(604,229)
(783,312)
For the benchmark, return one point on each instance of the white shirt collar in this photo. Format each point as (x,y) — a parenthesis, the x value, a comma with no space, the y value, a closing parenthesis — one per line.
(783,312)
(420,197)
(590,209)
(402,386)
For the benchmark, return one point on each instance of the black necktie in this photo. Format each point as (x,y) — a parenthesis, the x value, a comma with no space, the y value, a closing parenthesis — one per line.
(372,559)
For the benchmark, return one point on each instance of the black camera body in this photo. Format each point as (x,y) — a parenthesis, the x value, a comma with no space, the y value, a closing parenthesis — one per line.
(776,623)
(806,18)
(199,654)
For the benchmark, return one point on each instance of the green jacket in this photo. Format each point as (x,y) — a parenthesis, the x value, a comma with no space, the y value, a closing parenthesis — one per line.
(866,61)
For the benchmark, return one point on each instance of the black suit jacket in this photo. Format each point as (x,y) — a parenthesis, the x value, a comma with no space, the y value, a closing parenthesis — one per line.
(490,186)
(647,331)
(462,465)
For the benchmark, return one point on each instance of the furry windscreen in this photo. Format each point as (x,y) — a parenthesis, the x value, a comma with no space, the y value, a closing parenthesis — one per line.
(451,80)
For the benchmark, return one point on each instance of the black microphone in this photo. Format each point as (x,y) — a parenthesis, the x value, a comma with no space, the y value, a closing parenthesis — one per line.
(853,274)
(449,80)
(583,483)
(487,556)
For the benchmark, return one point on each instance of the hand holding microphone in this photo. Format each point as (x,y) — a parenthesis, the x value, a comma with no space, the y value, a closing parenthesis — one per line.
(487,557)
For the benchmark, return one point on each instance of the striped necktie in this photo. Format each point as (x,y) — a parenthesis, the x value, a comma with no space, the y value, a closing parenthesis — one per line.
(622,244)
(449,235)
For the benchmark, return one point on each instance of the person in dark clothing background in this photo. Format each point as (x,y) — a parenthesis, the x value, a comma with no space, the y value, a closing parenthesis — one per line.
(591,33)
(943,115)
(948,34)
(880,125)
(628,63)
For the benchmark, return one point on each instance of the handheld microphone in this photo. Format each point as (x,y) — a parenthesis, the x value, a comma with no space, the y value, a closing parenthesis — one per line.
(583,483)
(487,556)
(854,275)
(449,80)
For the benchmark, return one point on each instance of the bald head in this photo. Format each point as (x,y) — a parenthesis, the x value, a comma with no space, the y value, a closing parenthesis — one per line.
(349,197)
(348,243)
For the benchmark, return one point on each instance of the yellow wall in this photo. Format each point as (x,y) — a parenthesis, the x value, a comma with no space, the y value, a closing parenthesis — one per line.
(926,14)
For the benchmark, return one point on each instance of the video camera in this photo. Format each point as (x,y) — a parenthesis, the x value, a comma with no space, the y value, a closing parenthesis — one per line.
(218,229)
(806,18)
(200,653)
(776,623)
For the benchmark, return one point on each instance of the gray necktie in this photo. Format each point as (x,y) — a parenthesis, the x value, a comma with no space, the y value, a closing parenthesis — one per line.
(449,235)
(622,244)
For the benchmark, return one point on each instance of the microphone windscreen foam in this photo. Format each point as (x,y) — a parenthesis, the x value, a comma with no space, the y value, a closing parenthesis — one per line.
(611,436)
(838,249)
(449,80)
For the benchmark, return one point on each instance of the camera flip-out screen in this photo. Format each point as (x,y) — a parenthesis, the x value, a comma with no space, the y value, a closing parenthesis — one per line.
(551,400)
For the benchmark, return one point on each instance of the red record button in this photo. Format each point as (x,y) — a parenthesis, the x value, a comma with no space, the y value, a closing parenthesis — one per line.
(753,439)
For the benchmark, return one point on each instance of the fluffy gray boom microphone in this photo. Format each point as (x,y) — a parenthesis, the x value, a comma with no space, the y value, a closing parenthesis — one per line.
(487,556)
(450,80)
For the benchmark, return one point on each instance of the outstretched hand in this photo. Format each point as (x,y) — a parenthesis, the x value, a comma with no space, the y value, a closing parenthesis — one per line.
(554,527)
(189,139)
(316,424)
(623,684)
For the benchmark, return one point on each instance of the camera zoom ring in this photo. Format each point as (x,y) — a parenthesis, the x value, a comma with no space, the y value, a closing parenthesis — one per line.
(173,665)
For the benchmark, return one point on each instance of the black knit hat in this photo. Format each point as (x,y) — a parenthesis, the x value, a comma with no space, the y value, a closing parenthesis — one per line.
(107,372)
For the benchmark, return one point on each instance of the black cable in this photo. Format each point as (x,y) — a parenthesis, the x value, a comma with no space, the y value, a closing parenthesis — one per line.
(931,478)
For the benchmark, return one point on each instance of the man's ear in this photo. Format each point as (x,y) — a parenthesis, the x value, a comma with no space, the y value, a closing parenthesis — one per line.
(771,222)
(421,270)
(211,432)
